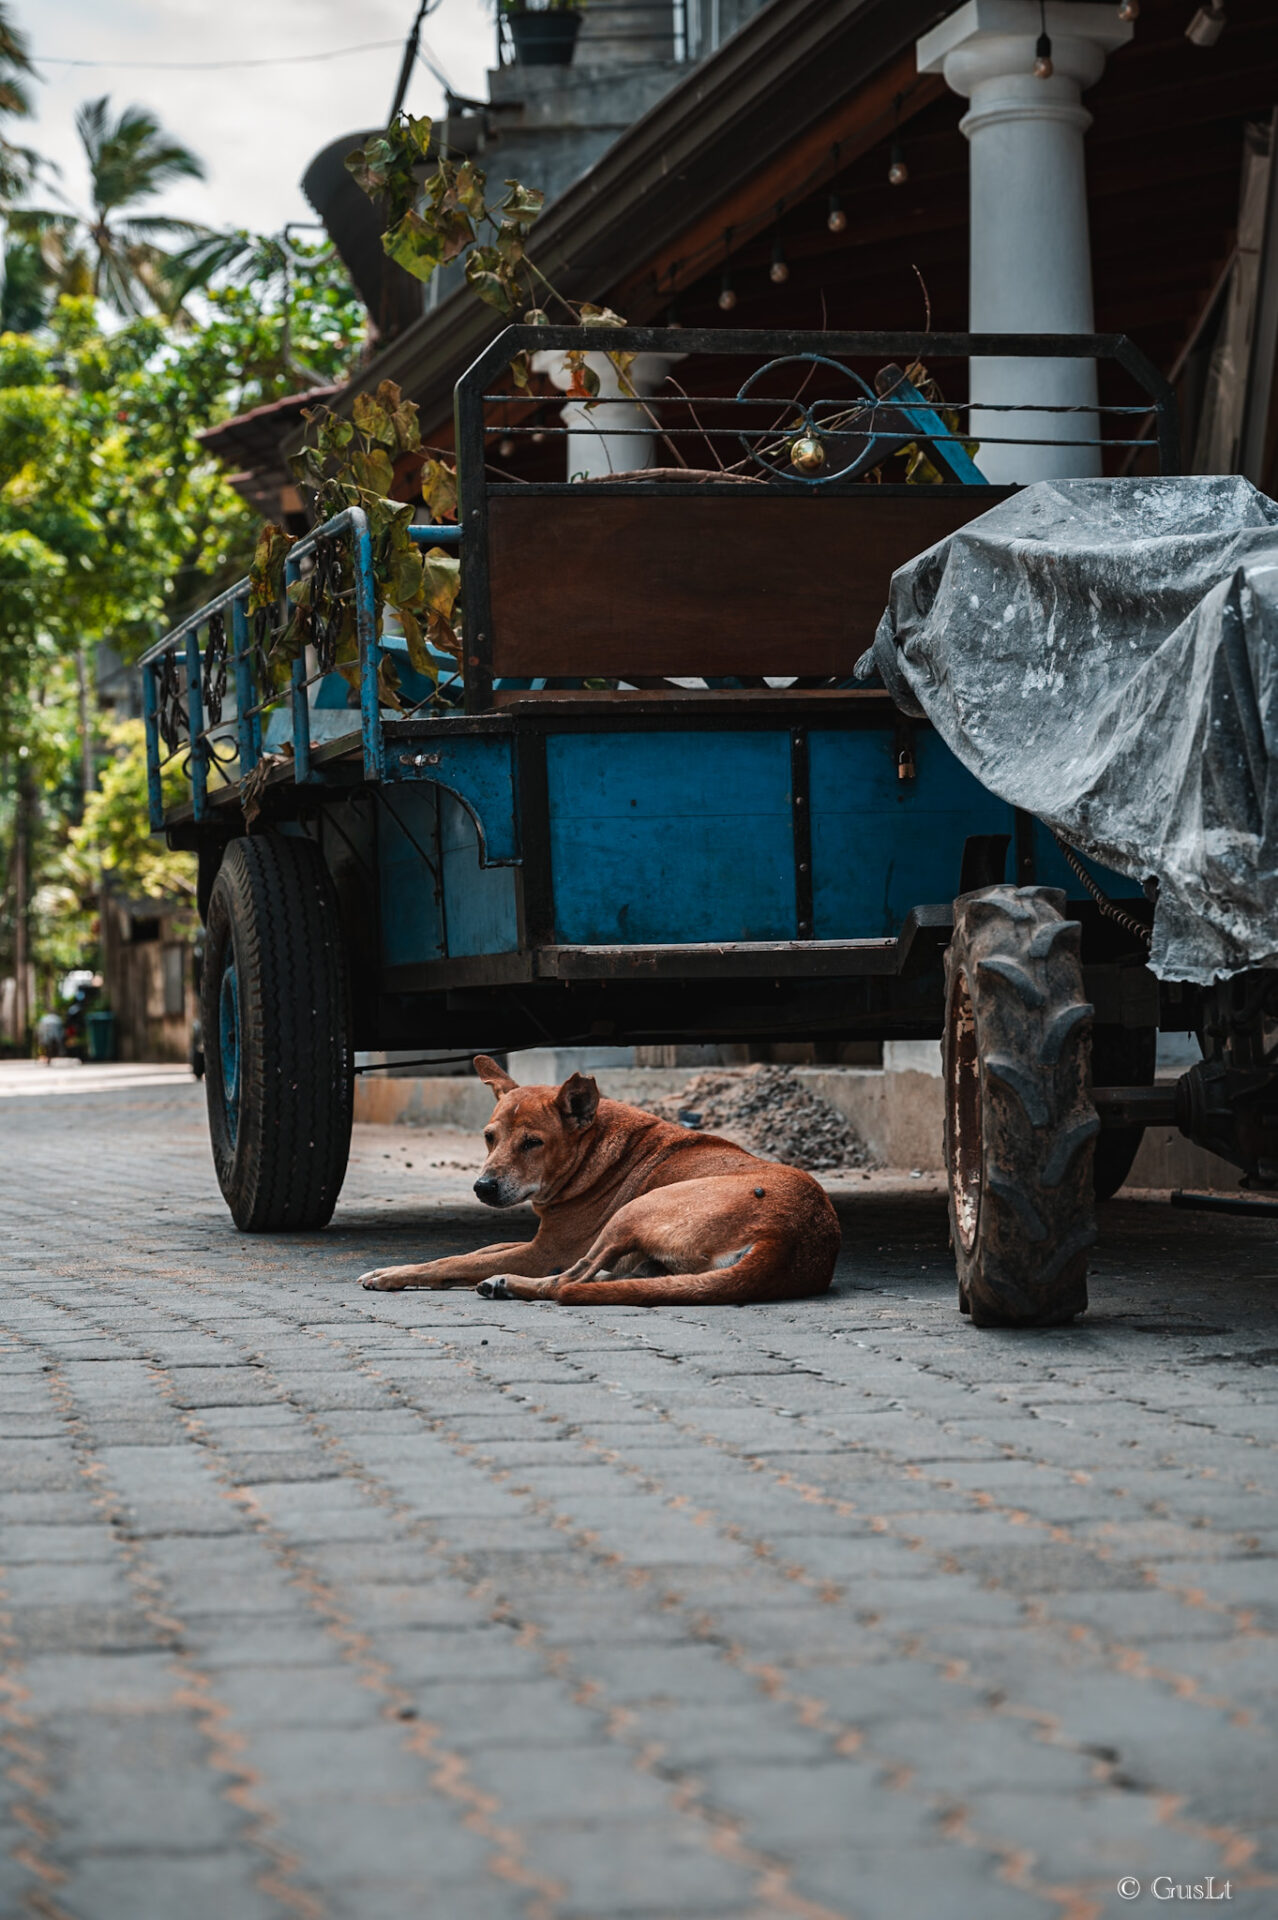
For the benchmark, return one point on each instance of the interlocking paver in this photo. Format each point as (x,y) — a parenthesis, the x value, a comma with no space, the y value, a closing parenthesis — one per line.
(318,1603)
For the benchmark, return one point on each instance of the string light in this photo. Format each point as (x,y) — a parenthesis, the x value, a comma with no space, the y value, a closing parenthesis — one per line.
(1207,24)
(1043,68)
(898,172)
(727,293)
(836,220)
(778,272)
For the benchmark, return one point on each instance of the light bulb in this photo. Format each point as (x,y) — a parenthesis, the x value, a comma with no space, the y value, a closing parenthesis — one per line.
(836,220)
(1207,25)
(505,448)
(1129,10)
(1043,68)
(898,172)
(727,295)
(778,272)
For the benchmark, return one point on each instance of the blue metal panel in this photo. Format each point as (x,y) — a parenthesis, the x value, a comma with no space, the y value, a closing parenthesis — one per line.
(1050,870)
(480,771)
(671,836)
(479,902)
(411,911)
(881,845)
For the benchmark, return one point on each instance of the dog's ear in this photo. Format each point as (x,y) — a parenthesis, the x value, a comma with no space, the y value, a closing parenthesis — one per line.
(578,1101)
(493,1076)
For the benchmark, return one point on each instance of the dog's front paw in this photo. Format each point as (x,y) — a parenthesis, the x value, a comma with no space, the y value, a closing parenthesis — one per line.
(382,1279)
(497,1288)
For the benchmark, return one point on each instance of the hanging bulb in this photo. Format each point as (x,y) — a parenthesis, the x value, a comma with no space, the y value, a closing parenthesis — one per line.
(1043,68)
(727,293)
(836,220)
(1207,25)
(1129,10)
(778,272)
(672,316)
(898,172)
(506,448)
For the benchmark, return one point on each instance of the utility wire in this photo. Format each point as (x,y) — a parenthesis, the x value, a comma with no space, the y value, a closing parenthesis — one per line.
(215,66)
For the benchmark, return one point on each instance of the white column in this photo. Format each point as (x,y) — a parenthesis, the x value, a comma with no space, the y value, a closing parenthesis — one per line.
(614,434)
(1031,269)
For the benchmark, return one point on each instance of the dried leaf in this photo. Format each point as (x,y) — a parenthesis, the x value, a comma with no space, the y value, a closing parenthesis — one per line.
(439,490)
(373,471)
(418,653)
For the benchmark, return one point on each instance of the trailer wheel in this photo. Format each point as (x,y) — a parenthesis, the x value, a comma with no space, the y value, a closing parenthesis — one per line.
(276,1033)
(1019,1122)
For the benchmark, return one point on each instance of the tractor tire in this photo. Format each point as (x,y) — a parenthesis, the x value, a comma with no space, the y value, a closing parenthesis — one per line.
(1121,1057)
(275,1025)
(1019,1122)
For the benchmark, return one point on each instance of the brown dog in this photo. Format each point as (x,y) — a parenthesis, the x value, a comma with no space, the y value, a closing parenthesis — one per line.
(632,1210)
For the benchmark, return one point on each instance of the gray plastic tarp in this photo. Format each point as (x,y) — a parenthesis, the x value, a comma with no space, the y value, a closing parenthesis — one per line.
(1104,654)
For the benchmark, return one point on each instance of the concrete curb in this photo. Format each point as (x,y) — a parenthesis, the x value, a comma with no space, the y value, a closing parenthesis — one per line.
(897,1112)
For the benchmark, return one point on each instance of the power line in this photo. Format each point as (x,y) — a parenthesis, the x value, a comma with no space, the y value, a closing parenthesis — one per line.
(215,66)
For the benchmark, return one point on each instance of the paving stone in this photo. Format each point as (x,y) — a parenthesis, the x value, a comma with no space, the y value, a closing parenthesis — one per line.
(919,1619)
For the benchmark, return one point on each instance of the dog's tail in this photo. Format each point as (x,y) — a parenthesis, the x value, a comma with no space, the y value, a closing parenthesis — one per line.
(766,1270)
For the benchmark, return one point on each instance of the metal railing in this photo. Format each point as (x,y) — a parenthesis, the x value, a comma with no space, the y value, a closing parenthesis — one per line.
(186,676)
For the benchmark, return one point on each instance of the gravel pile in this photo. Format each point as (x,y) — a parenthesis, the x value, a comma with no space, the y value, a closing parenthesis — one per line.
(769,1111)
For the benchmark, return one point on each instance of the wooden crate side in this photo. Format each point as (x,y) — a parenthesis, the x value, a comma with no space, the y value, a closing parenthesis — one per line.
(760,583)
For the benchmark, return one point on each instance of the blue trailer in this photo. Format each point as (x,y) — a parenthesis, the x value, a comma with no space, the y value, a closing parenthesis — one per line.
(648,802)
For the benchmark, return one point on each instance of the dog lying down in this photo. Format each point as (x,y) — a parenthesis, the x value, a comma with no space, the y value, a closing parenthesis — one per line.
(632,1210)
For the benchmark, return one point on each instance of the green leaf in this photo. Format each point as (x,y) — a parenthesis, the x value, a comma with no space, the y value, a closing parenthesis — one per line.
(404,581)
(373,471)
(414,246)
(266,576)
(521,202)
(371,418)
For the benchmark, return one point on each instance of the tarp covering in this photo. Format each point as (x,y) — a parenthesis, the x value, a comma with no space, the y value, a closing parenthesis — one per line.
(1104,654)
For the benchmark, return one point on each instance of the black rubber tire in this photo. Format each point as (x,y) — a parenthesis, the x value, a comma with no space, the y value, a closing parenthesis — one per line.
(1020,1126)
(282,1140)
(1121,1057)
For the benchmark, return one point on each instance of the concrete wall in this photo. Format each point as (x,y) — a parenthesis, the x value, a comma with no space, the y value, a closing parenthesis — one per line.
(898,1109)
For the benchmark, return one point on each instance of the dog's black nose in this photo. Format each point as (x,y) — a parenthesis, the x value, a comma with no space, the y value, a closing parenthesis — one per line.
(487,1189)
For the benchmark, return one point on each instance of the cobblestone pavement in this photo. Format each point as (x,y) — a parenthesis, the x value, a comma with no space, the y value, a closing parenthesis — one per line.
(325,1603)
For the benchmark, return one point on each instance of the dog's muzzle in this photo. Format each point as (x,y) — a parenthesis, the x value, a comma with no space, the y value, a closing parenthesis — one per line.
(488,1189)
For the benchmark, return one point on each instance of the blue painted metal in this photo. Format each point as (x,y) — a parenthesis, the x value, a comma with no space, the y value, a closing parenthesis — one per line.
(195,711)
(370,652)
(409,887)
(927,423)
(880,844)
(480,909)
(154,780)
(442,536)
(480,771)
(671,836)
(228,1009)
(248,731)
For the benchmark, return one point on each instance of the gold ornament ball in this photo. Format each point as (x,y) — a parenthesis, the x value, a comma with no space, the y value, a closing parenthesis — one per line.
(807,455)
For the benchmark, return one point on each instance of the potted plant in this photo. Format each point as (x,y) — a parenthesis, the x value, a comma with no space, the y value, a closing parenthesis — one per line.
(545,34)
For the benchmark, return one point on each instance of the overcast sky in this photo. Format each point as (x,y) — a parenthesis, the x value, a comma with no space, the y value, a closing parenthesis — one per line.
(255,128)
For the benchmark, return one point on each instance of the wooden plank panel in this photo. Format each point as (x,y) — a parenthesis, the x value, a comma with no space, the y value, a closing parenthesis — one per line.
(592,584)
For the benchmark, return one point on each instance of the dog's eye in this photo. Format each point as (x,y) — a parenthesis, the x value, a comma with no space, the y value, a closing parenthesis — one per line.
(532,1141)
(489,1139)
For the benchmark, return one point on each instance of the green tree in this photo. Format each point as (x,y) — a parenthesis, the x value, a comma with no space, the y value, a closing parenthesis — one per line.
(117,251)
(17,164)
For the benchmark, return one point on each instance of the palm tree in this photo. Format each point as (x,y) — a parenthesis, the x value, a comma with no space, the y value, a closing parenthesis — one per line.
(17,164)
(130,159)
